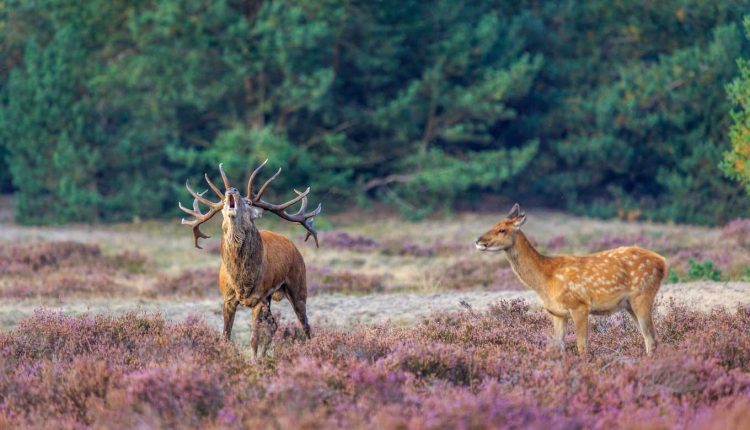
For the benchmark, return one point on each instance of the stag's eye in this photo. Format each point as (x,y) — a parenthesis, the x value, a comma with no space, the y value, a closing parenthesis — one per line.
(502,231)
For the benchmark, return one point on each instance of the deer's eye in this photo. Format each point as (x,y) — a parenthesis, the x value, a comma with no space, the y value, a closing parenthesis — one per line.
(502,230)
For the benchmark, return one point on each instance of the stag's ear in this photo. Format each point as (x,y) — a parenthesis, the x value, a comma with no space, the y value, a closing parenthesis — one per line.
(255,211)
(519,220)
(514,212)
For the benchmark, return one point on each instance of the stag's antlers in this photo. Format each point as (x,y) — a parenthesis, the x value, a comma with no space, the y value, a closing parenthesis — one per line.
(214,207)
(305,219)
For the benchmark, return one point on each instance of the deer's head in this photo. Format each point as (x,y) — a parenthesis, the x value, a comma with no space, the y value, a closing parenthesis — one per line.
(240,212)
(502,235)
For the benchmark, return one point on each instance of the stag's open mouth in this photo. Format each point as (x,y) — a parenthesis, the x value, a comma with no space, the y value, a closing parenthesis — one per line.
(231,205)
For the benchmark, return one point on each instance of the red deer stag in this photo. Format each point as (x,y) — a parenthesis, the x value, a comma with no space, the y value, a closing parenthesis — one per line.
(256,265)
(572,287)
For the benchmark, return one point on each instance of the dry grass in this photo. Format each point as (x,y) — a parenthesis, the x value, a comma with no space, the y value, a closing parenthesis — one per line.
(375,254)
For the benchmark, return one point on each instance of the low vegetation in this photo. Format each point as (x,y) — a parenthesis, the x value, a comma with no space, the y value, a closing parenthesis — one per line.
(458,370)
(67,268)
(351,260)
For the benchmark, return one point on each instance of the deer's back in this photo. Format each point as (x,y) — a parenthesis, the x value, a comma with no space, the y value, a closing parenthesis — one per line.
(282,260)
(608,276)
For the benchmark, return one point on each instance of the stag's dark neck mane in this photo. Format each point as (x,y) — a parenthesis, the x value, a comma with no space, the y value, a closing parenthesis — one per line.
(242,256)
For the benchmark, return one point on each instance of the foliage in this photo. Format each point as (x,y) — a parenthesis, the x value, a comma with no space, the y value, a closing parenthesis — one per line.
(457,370)
(698,271)
(736,163)
(107,106)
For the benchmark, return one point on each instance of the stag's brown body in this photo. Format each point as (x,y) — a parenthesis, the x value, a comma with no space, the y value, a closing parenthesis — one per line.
(256,265)
(574,287)
(266,266)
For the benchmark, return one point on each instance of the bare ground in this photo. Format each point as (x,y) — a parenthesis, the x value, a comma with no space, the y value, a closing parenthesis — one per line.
(346,310)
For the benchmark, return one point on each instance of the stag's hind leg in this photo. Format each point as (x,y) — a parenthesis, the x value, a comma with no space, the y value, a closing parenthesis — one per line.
(641,307)
(264,327)
(298,299)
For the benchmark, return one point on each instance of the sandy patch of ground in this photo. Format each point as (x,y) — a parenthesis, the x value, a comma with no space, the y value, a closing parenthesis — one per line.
(343,310)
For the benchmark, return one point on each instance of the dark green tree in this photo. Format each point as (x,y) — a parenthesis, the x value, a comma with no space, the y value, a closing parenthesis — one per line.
(736,162)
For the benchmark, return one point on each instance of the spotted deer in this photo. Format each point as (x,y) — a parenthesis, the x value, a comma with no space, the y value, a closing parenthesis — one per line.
(574,287)
(256,265)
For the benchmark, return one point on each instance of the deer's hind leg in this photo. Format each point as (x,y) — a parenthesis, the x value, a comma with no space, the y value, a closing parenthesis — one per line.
(641,307)
(264,327)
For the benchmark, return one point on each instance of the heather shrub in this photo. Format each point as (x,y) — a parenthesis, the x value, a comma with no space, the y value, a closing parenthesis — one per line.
(730,260)
(609,242)
(131,261)
(454,370)
(62,269)
(557,242)
(177,392)
(322,280)
(338,239)
(20,259)
(62,283)
(468,273)
(737,230)
(403,247)
(201,282)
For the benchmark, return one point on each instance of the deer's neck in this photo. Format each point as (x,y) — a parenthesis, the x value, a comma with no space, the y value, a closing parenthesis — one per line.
(528,264)
(242,256)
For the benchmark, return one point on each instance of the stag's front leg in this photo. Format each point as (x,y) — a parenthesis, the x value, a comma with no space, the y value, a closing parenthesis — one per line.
(229,308)
(264,327)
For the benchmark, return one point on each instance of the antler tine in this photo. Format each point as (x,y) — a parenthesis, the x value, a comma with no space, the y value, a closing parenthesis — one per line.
(200,217)
(196,212)
(282,206)
(224,176)
(200,197)
(252,178)
(214,187)
(265,184)
(306,219)
(303,205)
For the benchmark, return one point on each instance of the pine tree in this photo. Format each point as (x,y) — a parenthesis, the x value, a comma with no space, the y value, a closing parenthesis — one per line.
(736,162)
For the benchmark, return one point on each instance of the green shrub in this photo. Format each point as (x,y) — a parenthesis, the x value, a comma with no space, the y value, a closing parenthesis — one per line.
(702,270)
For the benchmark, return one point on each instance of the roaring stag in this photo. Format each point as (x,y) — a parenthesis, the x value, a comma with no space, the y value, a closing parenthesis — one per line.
(256,265)
(572,287)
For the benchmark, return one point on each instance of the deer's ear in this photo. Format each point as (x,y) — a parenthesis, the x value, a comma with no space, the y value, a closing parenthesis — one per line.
(519,220)
(514,212)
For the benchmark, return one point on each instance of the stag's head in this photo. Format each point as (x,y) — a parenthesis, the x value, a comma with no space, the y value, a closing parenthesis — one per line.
(240,212)
(503,234)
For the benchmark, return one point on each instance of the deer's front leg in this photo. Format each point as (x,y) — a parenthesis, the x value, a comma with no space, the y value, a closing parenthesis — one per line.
(558,332)
(229,309)
(581,321)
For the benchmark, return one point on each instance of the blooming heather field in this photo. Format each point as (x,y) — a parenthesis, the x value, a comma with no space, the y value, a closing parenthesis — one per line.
(117,326)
